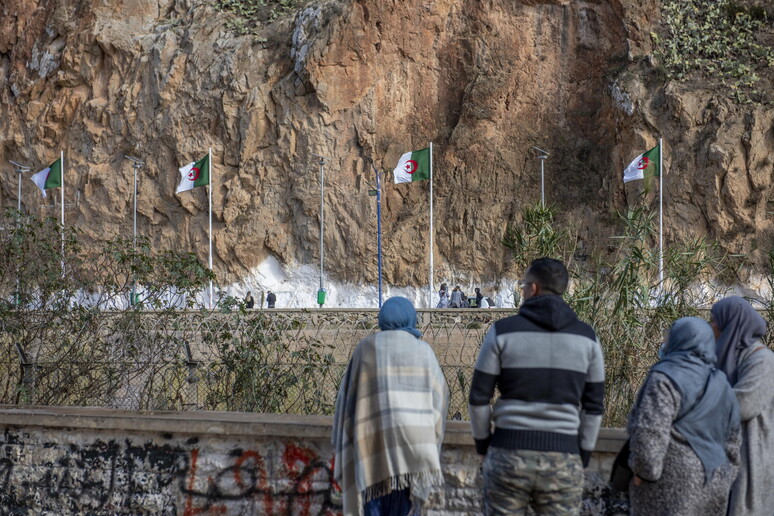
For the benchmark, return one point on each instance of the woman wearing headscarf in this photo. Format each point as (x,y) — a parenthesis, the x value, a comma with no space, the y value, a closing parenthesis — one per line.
(443,296)
(684,429)
(390,419)
(456,298)
(749,366)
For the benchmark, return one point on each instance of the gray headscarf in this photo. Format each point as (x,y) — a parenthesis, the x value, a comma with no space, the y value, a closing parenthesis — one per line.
(741,326)
(397,313)
(708,408)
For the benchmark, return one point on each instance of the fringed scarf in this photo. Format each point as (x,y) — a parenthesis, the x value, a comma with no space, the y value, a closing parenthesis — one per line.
(390,419)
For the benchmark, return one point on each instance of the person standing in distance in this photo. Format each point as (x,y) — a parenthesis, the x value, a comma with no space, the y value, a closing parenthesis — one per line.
(271,299)
(479,297)
(443,296)
(456,298)
(549,369)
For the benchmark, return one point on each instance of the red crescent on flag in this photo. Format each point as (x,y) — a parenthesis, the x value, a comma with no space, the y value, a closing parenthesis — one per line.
(193,174)
(644,162)
(410,166)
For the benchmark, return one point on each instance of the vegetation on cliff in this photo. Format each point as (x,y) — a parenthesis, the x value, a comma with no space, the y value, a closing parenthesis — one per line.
(718,40)
(249,15)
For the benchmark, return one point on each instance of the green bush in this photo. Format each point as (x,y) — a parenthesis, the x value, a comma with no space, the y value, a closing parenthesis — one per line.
(535,235)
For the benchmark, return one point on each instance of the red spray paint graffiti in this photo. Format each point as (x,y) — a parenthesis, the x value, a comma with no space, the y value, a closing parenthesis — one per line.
(304,485)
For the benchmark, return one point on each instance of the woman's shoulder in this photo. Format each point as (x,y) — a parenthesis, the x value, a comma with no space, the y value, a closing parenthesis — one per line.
(659,385)
(659,379)
(757,353)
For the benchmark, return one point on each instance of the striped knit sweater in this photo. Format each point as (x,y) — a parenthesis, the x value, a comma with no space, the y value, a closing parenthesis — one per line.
(547,365)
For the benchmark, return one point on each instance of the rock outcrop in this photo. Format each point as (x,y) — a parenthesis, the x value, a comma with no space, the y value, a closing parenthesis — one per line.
(362,80)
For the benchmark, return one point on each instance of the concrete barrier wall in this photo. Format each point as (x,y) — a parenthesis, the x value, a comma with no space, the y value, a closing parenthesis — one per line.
(56,460)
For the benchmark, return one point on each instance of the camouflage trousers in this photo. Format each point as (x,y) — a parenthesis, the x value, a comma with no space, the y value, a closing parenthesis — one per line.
(549,482)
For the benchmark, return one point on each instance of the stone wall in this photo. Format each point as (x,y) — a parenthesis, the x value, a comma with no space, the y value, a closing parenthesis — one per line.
(100,462)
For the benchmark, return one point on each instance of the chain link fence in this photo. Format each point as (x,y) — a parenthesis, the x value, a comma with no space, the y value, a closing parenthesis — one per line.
(288,361)
(278,361)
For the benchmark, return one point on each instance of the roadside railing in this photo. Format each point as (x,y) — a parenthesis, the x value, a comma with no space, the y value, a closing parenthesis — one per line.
(283,361)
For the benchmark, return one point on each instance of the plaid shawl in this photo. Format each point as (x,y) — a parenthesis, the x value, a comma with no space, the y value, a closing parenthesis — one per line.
(390,419)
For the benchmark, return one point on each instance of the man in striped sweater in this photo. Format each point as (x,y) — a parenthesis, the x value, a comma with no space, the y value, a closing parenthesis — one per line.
(547,365)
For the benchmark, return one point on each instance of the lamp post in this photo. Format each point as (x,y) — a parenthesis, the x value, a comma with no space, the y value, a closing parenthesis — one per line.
(542,157)
(20,169)
(378,194)
(321,290)
(136,165)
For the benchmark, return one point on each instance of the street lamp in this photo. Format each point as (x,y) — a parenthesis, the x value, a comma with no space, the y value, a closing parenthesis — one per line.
(542,157)
(20,169)
(378,194)
(321,291)
(136,165)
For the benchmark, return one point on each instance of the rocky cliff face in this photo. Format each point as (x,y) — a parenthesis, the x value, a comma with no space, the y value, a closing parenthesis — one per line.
(355,80)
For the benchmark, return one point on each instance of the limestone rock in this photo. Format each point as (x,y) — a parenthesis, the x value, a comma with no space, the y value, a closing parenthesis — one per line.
(355,80)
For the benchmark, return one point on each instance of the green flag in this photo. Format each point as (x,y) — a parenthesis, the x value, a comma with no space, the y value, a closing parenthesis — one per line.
(413,166)
(49,177)
(644,165)
(194,174)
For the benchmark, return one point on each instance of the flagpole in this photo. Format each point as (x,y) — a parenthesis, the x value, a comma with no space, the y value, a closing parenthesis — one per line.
(430,299)
(660,212)
(212,176)
(61,191)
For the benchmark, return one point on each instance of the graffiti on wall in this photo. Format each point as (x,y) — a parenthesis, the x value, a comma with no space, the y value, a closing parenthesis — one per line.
(304,486)
(123,477)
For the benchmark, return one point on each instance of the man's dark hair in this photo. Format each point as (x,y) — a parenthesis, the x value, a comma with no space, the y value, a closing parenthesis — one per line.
(550,274)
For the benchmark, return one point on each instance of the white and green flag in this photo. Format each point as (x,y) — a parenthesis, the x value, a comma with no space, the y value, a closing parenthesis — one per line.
(413,166)
(49,177)
(644,165)
(194,174)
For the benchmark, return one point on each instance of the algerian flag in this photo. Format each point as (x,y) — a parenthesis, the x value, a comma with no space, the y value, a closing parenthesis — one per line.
(194,174)
(644,165)
(49,177)
(413,166)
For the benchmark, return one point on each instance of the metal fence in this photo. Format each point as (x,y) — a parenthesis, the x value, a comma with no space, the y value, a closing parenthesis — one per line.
(283,361)
(288,361)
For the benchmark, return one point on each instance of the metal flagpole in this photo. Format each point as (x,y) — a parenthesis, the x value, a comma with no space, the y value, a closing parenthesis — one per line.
(430,299)
(212,174)
(61,190)
(660,212)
